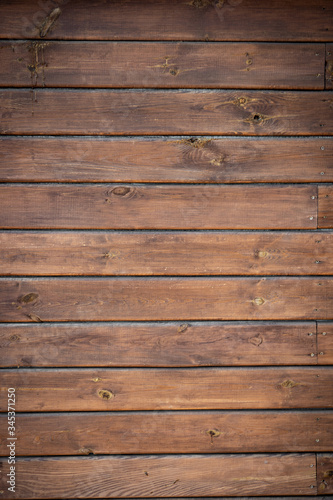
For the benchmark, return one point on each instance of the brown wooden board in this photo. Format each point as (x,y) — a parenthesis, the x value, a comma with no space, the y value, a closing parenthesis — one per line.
(191,159)
(325,207)
(169,475)
(115,206)
(325,474)
(134,389)
(149,299)
(170,432)
(158,344)
(325,343)
(161,112)
(233,20)
(162,65)
(165,253)
(329,66)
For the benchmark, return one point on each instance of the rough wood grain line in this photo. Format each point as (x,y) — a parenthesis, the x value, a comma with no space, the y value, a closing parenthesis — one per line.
(329,66)
(165,253)
(114,206)
(162,65)
(138,389)
(168,475)
(162,112)
(325,343)
(165,432)
(325,474)
(150,299)
(325,207)
(191,159)
(300,20)
(158,344)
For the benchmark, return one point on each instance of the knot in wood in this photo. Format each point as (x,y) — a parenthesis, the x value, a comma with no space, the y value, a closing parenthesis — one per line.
(105,394)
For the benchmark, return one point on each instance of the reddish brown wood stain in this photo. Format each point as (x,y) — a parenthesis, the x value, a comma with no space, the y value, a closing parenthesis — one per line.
(166,248)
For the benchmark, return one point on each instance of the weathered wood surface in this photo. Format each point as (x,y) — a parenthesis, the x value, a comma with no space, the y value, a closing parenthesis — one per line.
(233,20)
(329,66)
(191,159)
(158,344)
(325,343)
(165,253)
(325,474)
(115,206)
(169,476)
(162,65)
(133,389)
(160,112)
(166,432)
(325,207)
(149,299)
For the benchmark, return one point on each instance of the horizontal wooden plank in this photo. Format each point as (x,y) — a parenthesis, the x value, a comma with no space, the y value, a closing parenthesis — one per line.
(161,112)
(158,344)
(300,20)
(325,474)
(134,389)
(162,65)
(329,66)
(165,253)
(118,299)
(325,207)
(115,206)
(165,432)
(169,475)
(191,159)
(325,343)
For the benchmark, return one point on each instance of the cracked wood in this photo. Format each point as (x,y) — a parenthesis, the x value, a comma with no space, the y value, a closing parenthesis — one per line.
(160,344)
(164,65)
(157,207)
(169,389)
(163,112)
(172,432)
(193,159)
(149,299)
(232,20)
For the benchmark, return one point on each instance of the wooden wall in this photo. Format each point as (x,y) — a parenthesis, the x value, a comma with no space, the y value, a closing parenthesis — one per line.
(166,247)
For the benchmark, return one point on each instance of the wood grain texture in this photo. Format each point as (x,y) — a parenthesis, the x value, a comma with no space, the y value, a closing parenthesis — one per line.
(329,66)
(163,112)
(169,475)
(158,344)
(191,159)
(118,299)
(134,389)
(162,65)
(325,343)
(325,473)
(325,207)
(233,20)
(165,253)
(167,432)
(115,206)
